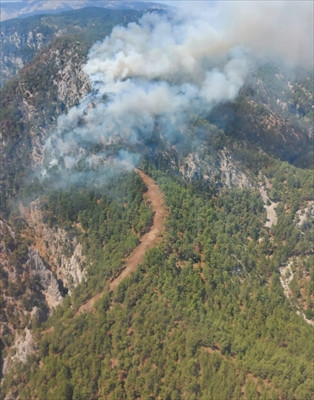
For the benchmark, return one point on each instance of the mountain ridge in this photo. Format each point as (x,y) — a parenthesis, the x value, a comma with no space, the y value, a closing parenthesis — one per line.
(210,311)
(24,9)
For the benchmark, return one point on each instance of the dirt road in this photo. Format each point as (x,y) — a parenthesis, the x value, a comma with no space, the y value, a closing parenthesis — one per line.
(156,198)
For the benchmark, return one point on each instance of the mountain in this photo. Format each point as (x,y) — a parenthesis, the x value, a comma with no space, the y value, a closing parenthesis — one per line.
(22,39)
(26,8)
(275,112)
(190,277)
(26,112)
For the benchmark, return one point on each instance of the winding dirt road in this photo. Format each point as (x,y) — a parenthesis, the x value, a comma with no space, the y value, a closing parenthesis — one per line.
(156,198)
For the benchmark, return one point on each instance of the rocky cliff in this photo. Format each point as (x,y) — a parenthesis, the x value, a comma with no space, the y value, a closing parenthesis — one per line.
(274,111)
(22,39)
(223,171)
(19,47)
(60,250)
(39,266)
(30,110)
(29,289)
(49,82)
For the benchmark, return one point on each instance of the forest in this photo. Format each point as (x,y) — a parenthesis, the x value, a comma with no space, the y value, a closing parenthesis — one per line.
(204,316)
(222,306)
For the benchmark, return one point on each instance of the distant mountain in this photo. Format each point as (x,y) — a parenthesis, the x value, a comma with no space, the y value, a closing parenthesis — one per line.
(22,39)
(25,8)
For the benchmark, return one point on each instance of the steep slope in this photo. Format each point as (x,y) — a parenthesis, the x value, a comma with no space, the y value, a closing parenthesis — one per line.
(42,262)
(221,307)
(274,112)
(28,290)
(33,7)
(156,200)
(203,316)
(28,110)
(22,39)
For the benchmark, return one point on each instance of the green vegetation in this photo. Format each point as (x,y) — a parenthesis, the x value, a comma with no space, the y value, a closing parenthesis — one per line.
(273,112)
(36,32)
(108,222)
(203,317)
(80,30)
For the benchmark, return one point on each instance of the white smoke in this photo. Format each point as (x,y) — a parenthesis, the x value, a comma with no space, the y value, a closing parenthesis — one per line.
(165,69)
(278,29)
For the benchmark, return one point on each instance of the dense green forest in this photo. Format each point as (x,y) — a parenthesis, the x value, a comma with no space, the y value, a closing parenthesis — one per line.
(203,317)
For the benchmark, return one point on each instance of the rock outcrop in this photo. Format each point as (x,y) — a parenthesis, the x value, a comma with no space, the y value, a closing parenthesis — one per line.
(35,276)
(47,280)
(224,171)
(60,250)
(28,290)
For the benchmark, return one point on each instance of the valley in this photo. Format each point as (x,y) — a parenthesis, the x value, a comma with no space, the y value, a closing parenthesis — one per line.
(156,204)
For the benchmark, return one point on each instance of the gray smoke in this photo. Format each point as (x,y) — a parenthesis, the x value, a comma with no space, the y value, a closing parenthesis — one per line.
(166,69)
(277,29)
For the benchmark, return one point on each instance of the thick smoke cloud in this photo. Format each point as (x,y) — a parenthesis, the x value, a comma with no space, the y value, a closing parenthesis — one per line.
(164,70)
(276,29)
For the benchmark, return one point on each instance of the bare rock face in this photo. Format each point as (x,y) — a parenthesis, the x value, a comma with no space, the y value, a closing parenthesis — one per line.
(22,41)
(47,87)
(68,84)
(40,265)
(23,346)
(305,214)
(29,289)
(11,60)
(231,174)
(72,83)
(61,251)
(223,171)
(34,277)
(46,279)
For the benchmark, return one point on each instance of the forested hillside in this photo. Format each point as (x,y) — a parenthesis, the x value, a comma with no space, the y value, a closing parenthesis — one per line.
(22,39)
(28,109)
(203,317)
(221,304)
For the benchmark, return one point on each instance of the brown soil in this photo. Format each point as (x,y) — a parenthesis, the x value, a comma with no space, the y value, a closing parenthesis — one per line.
(156,198)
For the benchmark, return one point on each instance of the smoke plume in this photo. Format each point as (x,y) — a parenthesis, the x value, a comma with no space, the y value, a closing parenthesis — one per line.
(166,69)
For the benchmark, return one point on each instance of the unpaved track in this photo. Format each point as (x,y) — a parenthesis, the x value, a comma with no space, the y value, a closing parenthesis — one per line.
(156,198)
